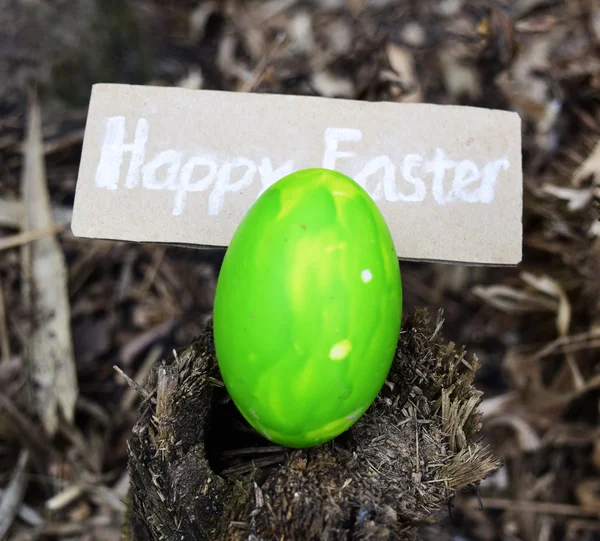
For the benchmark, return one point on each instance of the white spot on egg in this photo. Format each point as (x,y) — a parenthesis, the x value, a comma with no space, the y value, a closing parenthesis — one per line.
(340,350)
(366,276)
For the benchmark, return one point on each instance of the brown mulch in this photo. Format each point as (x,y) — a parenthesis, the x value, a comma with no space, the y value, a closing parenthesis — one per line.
(535,329)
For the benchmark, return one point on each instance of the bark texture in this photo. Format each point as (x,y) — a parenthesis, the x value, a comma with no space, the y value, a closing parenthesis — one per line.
(199,471)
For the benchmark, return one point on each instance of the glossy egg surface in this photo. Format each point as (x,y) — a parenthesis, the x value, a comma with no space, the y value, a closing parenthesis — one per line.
(308,308)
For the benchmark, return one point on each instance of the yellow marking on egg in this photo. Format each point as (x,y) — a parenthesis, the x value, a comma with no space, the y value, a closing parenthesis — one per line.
(356,413)
(335,427)
(333,247)
(340,350)
(366,276)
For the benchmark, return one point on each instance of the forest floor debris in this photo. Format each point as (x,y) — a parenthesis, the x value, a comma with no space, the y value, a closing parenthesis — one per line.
(535,329)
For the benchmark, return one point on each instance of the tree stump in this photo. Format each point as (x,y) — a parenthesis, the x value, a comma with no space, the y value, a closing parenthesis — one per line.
(200,472)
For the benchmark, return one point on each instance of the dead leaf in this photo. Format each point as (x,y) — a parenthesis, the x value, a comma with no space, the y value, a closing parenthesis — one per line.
(448,8)
(460,76)
(64,498)
(301,33)
(527,438)
(331,86)
(490,407)
(514,301)
(551,287)
(339,38)
(536,24)
(198,19)
(587,493)
(227,62)
(402,62)
(413,34)
(193,80)
(577,199)
(50,356)
(590,167)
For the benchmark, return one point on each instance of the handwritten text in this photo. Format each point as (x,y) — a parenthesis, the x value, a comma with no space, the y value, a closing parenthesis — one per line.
(406,181)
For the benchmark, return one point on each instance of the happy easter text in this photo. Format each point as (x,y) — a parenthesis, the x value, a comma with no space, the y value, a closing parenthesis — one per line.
(450,180)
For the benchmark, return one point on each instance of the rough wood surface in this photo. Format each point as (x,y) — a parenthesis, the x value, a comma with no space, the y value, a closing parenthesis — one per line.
(198,471)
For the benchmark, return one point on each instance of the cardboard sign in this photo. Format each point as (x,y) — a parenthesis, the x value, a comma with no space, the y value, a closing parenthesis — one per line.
(182,166)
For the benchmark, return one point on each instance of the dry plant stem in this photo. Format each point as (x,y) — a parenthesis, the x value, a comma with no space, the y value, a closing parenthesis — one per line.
(397,467)
(51,365)
(131,394)
(20,239)
(4,337)
(26,514)
(262,65)
(13,496)
(532,507)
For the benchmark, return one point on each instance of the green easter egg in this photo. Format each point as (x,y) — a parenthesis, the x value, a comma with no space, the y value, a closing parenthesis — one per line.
(307,308)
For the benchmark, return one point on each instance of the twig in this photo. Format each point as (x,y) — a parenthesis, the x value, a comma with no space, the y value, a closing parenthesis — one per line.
(141,342)
(12,211)
(259,463)
(37,443)
(4,338)
(249,451)
(65,497)
(64,142)
(259,71)
(13,497)
(152,272)
(533,507)
(133,384)
(417,444)
(130,394)
(13,241)
(104,495)
(27,514)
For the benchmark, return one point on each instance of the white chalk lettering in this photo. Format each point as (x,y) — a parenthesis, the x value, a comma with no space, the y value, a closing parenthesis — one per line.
(168,158)
(410,162)
(490,176)
(113,148)
(438,167)
(269,176)
(224,184)
(451,180)
(333,136)
(389,174)
(465,174)
(185,185)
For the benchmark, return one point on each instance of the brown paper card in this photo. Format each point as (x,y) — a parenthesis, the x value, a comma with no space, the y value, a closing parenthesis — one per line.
(180,166)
